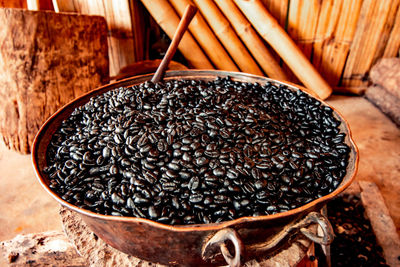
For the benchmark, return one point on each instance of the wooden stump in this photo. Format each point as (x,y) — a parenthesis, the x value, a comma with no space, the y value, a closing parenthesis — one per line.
(46,60)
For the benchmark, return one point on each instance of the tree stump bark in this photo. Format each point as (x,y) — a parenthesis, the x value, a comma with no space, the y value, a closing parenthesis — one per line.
(46,60)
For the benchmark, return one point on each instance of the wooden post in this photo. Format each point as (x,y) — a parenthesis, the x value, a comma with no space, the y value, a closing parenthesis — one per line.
(47,60)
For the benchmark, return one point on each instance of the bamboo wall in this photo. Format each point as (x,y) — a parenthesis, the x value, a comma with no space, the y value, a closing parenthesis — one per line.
(341,38)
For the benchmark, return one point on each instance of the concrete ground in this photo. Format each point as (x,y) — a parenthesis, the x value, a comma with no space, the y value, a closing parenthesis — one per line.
(26,208)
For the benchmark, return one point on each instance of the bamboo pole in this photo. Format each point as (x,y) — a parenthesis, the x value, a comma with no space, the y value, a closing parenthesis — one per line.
(168,20)
(270,30)
(370,27)
(335,32)
(251,39)
(206,38)
(278,9)
(228,37)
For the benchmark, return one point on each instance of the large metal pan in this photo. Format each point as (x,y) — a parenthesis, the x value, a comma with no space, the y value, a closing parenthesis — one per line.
(203,244)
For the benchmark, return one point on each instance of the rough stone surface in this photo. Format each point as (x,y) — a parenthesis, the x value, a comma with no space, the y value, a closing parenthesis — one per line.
(98,253)
(42,249)
(385,101)
(386,73)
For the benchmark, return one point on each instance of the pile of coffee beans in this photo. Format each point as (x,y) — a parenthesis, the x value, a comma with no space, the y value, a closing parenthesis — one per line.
(192,151)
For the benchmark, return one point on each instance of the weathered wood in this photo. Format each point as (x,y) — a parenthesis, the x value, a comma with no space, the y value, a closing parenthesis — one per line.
(393,44)
(48,59)
(372,26)
(121,17)
(335,32)
(302,23)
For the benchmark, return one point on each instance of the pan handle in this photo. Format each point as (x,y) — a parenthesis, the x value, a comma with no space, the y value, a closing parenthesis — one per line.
(219,241)
(217,244)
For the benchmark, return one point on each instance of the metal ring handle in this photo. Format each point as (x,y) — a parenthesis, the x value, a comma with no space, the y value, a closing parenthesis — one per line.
(218,241)
(323,222)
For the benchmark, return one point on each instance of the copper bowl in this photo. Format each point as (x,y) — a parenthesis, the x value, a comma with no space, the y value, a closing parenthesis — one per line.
(202,244)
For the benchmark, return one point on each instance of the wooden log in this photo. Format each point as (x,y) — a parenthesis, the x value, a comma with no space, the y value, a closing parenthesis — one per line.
(228,37)
(279,9)
(121,40)
(336,27)
(251,39)
(271,31)
(371,28)
(206,38)
(165,16)
(48,59)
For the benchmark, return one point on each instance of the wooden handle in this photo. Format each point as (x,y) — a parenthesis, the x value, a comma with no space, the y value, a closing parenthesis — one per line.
(272,32)
(180,31)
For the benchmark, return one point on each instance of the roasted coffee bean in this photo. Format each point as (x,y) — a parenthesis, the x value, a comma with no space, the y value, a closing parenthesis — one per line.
(192,151)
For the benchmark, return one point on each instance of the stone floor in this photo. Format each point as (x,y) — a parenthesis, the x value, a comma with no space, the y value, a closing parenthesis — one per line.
(26,208)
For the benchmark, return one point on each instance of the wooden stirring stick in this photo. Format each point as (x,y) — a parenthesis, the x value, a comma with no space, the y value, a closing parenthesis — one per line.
(180,31)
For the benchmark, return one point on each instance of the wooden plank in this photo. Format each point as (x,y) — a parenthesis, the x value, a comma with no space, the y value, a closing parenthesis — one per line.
(139,29)
(386,31)
(302,23)
(251,39)
(335,31)
(165,16)
(228,37)
(370,27)
(41,68)
(393,44)
(206,38)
